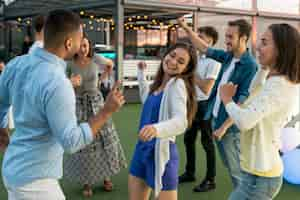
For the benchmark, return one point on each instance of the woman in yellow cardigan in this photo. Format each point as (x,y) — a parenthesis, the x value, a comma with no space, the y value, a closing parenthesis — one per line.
(262,116)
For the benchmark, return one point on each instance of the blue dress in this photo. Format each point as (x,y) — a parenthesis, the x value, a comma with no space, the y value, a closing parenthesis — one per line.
(143,162)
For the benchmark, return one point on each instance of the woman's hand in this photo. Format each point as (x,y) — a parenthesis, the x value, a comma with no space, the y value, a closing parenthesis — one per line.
(227,91)
(75,80)
(142,65)
(147,133)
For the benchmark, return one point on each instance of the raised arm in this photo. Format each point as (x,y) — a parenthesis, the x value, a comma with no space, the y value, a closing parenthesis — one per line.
(199,43)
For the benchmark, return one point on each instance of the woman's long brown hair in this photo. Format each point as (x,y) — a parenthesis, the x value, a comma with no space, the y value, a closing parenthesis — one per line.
(187,75)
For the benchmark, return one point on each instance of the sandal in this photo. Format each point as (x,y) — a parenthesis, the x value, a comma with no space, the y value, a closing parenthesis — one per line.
(87,191)
(107,185)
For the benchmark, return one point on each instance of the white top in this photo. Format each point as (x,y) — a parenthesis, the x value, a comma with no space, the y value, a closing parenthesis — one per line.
(172,121)
(225,78)
(102,61)
(207,68)
(36,44)
(261,119)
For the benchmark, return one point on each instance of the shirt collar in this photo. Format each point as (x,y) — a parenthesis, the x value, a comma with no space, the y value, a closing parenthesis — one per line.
(244,59)
(50,57)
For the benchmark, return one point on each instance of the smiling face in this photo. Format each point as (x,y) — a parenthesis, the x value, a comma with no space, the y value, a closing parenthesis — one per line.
(176,61)
(267,50)
(232,38)
(84,48)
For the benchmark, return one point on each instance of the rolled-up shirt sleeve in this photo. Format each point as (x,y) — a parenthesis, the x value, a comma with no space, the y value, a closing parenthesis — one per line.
(61,116)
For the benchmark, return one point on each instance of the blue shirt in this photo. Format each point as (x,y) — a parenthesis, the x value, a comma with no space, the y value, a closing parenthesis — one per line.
(242,76)
(43,103)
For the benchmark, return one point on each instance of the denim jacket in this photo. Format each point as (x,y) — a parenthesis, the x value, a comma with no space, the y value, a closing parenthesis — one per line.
(242,76)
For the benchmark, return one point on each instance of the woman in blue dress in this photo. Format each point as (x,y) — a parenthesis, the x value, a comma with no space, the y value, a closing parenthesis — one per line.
(169,107)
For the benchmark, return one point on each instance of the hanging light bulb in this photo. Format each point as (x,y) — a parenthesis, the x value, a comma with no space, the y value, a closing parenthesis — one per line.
(81,12)
(92,16)
(19,19)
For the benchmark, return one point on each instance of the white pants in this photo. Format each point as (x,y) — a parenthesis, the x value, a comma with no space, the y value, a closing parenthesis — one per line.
(43,189)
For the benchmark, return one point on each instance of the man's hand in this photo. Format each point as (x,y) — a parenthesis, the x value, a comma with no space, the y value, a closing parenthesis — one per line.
(181,22)
(115,99)
(219,133)
(4,139)
(147,133)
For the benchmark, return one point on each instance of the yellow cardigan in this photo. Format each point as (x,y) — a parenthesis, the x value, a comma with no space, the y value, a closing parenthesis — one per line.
(260,120)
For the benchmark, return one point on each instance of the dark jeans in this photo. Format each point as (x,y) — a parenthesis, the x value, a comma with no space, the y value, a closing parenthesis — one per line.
(207,142)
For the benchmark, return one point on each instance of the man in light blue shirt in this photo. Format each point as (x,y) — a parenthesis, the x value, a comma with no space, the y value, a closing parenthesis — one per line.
(44,111)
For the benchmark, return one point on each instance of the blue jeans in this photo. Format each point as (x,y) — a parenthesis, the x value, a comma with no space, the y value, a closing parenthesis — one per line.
(254,187)
(229,148)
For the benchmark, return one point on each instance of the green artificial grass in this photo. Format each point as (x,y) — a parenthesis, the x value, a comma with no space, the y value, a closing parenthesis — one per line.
(127,122)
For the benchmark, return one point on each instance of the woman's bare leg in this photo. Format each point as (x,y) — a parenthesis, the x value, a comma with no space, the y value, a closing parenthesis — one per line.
(138,189)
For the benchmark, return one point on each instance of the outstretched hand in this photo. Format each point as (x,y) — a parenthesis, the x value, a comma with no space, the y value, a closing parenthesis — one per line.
(115,99)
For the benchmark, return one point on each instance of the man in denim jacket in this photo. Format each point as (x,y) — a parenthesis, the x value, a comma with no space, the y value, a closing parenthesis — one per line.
(238,67)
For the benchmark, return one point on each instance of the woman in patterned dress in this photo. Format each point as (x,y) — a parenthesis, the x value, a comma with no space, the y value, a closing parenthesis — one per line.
(104,157)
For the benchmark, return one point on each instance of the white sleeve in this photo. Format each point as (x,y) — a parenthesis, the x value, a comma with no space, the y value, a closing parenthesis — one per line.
(177,103)
(270,100)
(143,85)
(213,69)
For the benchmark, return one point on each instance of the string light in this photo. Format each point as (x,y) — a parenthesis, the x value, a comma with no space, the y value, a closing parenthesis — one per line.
(92,16)
(81,13)
(19,19)
(138,17)
(91,28)
(130,19)
(28,22)
(145,17)
(90,22)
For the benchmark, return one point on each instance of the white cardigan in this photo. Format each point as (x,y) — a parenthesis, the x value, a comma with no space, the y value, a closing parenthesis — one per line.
(260,120)
(172,121)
